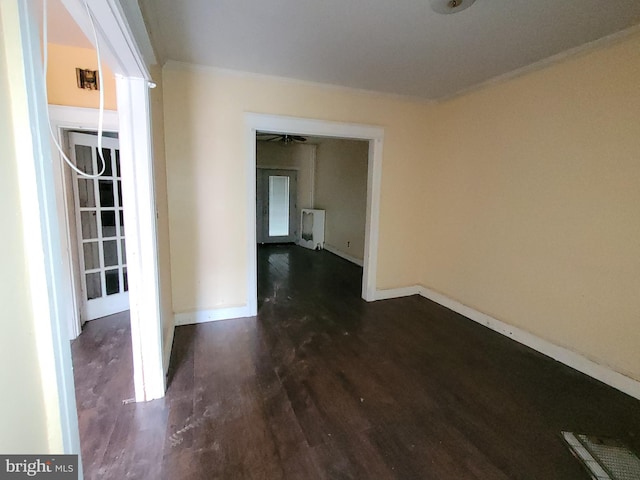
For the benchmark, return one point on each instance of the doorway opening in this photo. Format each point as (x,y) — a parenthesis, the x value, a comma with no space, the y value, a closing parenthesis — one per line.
(324,210)
(40,208)
(92,232)
(90,217)
(292,127)
(117,270)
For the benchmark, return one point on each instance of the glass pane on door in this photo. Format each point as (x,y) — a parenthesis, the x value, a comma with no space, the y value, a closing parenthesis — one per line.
(278,206)
(84,159)
(94,285)
(105,187)
(109,223)
(110,249)
(86,194)
(89,224)
(91,256)
(112,281)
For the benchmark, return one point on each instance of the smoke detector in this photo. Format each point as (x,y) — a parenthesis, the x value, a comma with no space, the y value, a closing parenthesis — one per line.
(450,6)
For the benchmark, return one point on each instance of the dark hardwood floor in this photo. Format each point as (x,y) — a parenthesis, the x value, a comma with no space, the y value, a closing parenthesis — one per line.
(322,385)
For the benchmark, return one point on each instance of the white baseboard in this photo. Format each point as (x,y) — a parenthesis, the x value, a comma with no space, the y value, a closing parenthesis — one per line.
(168,345)
(341,254)
(561,354)
(397,292)
(202,316)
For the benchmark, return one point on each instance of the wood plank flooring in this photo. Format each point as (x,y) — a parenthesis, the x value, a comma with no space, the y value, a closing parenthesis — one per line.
(322,385)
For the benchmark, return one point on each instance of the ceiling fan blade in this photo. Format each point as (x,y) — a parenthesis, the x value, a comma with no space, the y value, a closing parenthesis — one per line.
(279,137)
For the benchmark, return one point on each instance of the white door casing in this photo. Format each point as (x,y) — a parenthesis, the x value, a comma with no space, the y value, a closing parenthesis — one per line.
(127,50)
(266,123)
(142,239)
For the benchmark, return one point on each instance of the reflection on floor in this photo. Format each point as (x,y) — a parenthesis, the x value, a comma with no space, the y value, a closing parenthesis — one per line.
(324,385)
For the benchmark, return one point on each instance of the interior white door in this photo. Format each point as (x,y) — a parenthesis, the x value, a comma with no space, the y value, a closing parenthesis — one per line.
(277,211)
(100,227)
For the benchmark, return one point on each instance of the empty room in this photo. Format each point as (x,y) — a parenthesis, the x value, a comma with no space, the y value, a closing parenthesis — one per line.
(364,240)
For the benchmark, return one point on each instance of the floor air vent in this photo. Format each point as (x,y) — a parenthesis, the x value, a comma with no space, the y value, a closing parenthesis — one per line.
(604,458)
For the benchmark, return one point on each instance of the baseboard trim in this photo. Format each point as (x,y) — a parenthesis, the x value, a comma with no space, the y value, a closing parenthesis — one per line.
(397,292)
(341,254)
(561,354)
(213,315)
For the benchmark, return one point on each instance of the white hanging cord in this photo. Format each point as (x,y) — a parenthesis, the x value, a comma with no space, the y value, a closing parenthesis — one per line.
(100,91)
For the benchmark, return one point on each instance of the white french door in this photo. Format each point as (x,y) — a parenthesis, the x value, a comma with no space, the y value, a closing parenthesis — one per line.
(276,209)
(100,227)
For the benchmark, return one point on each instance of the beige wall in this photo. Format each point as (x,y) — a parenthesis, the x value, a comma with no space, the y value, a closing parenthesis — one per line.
(160,179)
(305,156)
(341,190)
(23,422)
(532,203)
(62,86)
(206,157)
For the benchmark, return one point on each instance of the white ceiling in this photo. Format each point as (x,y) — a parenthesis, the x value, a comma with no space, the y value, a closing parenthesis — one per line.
(400,46)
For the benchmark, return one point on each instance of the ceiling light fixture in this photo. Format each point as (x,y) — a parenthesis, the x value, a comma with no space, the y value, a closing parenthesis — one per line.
(450,6)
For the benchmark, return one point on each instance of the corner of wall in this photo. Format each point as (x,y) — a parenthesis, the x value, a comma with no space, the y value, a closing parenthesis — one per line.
(602,373)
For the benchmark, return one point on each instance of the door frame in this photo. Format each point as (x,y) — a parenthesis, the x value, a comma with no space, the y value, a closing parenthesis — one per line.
(120,41)
(254,122)
(65,118)
(126,48)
